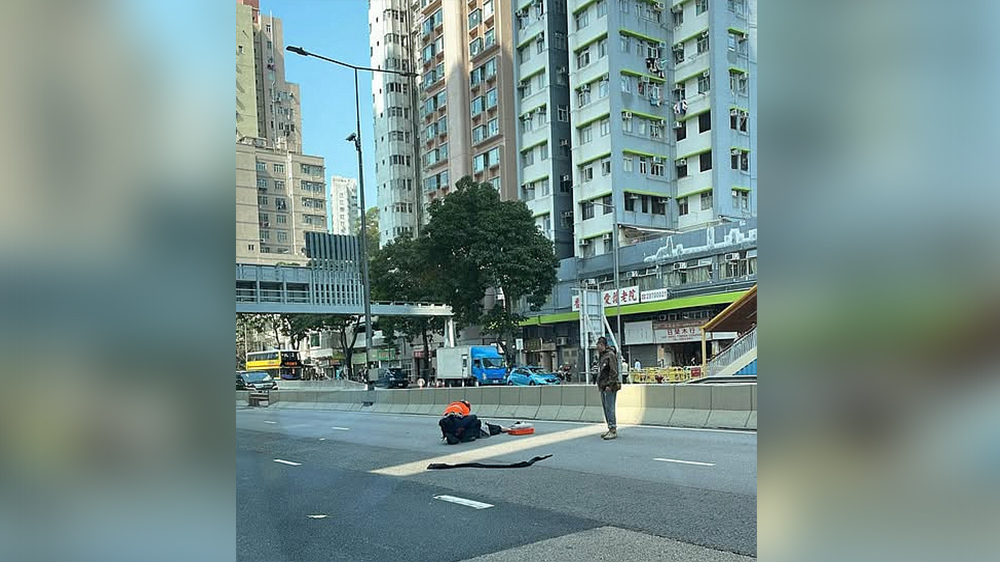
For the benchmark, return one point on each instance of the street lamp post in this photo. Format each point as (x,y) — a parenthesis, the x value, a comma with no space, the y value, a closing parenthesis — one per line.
(355,137)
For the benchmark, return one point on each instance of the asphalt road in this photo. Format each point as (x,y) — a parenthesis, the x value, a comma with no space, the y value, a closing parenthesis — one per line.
(353,486)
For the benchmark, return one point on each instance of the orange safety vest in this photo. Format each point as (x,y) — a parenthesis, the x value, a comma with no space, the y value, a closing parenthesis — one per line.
(457,408)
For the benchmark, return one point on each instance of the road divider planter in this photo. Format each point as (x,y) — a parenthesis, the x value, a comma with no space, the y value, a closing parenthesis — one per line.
(731,405)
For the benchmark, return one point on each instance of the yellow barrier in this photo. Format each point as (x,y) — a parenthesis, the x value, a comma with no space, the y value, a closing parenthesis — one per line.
(654,375)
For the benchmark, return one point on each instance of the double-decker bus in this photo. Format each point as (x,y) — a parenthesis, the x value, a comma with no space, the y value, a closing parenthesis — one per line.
(282,363)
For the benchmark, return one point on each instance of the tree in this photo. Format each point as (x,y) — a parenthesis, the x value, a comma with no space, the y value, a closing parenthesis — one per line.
(399,273)
(475,241)
(371,231)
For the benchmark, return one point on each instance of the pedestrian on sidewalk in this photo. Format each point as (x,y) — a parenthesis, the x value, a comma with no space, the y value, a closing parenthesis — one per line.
(608,384)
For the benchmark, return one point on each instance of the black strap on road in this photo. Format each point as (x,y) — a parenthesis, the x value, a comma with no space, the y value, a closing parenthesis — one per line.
(522,464)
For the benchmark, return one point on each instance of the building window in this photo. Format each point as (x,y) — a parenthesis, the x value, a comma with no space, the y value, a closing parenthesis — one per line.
(606,167)
(701,6)
(492,128)
(282,219)
(682,168)
(489,38)
(630,200)
(738,7)
(680,132)
(678,53)
(282,236)
(605,126)
(560,41)
(602,48)
(528,157)
(583,95)
(627,84)
(562,113)
(703,43)
(704,83)
(706,201)
(524,54)
(679,17)
(587,210)
(627,164)
(643,165)
(657,168)
(280,204)
(540,44)
(659,206)
(602,8)
(706,161)
(543,153)
(705,122)
(682,206)
(625,42)
(740,160)
(737,83)
(279,185)
(261,183)
(583,58)
(623,5)
(477,105)
(583,19)
(487,9)
(491,98)
(261,166)
(627,124)
(475,18)
(738,43)
(586,173)
(586,134)
(602,88)
(741,199)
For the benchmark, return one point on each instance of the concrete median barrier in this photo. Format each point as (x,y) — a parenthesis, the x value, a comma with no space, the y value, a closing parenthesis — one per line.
(573,401)
(658,404)
(414,404)
(510,397)
(359,398)
(629,405)
(242,397)
(529,400)
(752,419)
(399,400)
(431,399)
(550,399)
(731,406)
(474,395)
(593,408)
(382,403)
(490,402)
(332,400)
(693,403)
(424,399)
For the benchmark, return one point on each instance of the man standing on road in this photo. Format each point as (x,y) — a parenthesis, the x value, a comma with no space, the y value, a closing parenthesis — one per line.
(608,384)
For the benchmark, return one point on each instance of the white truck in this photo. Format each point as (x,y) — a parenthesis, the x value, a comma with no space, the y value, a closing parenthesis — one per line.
(470,365)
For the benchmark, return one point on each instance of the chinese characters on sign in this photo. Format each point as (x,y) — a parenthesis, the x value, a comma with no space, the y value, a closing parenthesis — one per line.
(576,303)
(628,295)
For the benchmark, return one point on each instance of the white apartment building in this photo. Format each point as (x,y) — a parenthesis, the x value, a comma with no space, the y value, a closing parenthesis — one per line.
(344,217)
(663,131)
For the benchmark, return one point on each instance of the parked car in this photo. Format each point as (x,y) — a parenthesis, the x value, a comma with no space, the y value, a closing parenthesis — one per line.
(530,376)
(392,378)
(255,380)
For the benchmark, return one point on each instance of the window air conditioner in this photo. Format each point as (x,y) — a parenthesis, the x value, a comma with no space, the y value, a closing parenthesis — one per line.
(735,152)
(563,142)
(606,237)
(585,88)
(679,47)
(561,70)
(585,242)
(677,9)
(704,74)
(658,6)
(682,162)
(733,256)
(657,160)
(562,340)
(734,113)
(627,115)
(678,124)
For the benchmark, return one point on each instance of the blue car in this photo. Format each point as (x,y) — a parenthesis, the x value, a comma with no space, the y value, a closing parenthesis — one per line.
(530,376)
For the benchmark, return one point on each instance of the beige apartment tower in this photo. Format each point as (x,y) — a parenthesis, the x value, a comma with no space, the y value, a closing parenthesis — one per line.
(280,192)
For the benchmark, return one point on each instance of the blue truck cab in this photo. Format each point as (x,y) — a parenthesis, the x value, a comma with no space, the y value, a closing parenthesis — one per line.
(487,365)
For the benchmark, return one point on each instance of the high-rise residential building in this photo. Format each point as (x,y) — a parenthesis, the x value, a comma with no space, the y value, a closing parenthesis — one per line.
(394,100)
(545,169)
(280,192)
(663,136)
(344,218)
(463,104)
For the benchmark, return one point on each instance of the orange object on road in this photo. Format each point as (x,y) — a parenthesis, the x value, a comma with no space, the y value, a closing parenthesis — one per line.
(460,407)
(522,429)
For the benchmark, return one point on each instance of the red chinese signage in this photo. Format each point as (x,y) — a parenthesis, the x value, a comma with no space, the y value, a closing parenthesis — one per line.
(627,295)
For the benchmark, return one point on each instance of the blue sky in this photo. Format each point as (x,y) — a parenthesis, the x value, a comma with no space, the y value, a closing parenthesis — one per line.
(337,29)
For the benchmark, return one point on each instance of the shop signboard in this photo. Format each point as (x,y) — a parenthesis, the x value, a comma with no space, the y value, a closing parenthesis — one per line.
(654,295)
(627,295)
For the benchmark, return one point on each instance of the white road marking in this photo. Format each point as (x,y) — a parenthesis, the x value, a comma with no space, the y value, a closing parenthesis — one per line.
(289,463)
(317,516)
(269,421)
(686,462)
(322,438)
(341,428)
(462,501)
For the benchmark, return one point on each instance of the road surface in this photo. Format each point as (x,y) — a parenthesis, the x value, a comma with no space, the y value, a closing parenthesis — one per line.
(353,486)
